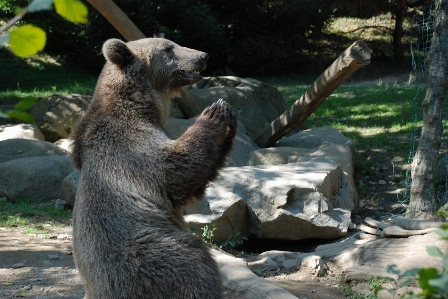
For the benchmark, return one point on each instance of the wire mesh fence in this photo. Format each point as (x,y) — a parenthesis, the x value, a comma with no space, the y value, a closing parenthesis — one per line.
(424,51)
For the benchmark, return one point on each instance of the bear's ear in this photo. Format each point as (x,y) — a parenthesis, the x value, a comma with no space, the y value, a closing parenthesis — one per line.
(117,52)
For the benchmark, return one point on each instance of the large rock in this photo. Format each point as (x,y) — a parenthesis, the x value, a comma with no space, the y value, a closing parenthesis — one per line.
(57,115)
(313,138)
(256,103)
(242,144)
(24,131)
(12,149)
(316,142)
(290,202)
(34,177)
(224,209)
(341,154)
(69,188)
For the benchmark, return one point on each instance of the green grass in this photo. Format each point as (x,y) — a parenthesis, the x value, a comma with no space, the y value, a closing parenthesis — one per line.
(34,217)
(40,76)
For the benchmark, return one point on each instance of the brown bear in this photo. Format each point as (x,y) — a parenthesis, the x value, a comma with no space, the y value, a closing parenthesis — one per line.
(129,236)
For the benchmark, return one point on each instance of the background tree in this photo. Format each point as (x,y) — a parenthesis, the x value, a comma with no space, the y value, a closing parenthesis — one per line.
(424,202)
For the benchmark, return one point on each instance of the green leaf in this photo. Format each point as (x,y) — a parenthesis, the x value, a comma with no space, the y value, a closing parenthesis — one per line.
(38,5)
(20,115)
(25,103)
(444,226)
(425,275)
(73,10)
(440,283)
(442,213)
(4,39)
(27,40)
(434,251)
(442,233)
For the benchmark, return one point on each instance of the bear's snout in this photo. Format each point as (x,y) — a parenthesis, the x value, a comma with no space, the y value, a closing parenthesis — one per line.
(204,56)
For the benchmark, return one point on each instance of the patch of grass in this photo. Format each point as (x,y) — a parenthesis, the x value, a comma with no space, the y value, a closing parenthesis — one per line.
(34,217)
(40,76)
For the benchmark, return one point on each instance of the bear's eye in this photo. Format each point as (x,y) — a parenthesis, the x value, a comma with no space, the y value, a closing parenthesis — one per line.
(169,52)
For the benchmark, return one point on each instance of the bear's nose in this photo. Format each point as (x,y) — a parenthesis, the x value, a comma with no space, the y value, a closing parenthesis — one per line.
(204,56)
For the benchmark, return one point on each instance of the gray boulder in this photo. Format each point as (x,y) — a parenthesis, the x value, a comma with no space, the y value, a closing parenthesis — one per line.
(341,154)
(69,187)
(316,142)
(34,177)
(256,103)
(57,115)
(24,131)
(12,149)
(290,202)
(242,146)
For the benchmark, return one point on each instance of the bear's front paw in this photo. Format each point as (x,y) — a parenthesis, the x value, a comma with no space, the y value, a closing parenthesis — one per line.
(221,116)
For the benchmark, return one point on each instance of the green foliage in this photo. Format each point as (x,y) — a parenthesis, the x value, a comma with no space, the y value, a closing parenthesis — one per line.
(207,234)
(27,40)
(245,37)
(72,10)
(233,241)
(20,110)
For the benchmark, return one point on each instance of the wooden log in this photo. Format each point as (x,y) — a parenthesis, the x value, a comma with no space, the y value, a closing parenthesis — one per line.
(353,58)
(118,19)
(409,223)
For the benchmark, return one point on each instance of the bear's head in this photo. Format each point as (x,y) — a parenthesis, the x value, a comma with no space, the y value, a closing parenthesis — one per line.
(155,63)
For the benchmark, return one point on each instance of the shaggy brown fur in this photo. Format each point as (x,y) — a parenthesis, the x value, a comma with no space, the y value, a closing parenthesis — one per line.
(129,235)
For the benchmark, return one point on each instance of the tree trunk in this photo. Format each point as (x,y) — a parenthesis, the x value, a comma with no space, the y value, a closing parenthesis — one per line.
(118,19)
(424,202)
(398,32)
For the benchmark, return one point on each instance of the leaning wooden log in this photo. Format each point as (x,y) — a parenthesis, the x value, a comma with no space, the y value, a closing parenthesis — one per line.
(352,59)
(396,231)
(408,223)
(118,19)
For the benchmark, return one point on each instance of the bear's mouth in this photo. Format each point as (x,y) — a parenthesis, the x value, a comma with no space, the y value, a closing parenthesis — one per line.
(191,74)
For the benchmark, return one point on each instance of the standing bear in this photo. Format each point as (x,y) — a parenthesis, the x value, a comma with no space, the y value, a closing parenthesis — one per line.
(129,236)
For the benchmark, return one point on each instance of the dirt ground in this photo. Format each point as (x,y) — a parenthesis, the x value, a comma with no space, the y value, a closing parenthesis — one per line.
(43,268)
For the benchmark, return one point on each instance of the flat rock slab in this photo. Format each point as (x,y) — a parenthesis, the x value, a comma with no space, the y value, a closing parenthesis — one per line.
(415,224)
(239,282)
(396,231)
(364,259)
